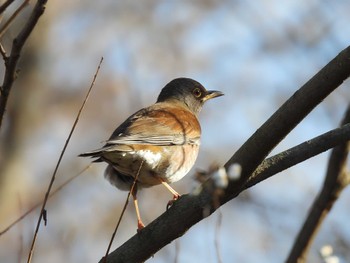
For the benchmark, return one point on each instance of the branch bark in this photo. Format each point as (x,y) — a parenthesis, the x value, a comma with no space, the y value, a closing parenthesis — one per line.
(190,209)
(336,180)
(287,117)
(298,154)
(12,60)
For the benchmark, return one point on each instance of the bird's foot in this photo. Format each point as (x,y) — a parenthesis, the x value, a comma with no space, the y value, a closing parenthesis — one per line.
(170,203)
(140,226)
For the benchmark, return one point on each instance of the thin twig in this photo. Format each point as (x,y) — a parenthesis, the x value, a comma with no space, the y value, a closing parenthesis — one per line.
(5,5)
(3,53)
(12,18)
(117,226)
(58,164)
(17,45)
(40,203)
(123,211)
(20,242)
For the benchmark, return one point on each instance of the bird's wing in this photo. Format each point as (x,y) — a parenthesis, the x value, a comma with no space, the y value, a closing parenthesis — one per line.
(160,124)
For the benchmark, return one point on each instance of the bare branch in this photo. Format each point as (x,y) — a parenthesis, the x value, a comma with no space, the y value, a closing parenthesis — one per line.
(336,180)
(3,53)
(5,5)
(17,45)
(189,209)
(133,186)
(12,18)
(53,177)
(298,154)
(24,215)
(265,139)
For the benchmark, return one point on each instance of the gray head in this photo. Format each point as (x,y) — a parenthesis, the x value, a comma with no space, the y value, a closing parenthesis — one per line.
(188,91)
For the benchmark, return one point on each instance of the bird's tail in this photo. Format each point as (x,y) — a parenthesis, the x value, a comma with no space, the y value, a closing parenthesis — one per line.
(93,154)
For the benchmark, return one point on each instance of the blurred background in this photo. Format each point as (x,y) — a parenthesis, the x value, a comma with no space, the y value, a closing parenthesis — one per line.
(257,52)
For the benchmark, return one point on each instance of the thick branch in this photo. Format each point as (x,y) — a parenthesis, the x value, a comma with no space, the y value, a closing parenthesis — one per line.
(336,180)
(189,209)
(12,60)
(259,145)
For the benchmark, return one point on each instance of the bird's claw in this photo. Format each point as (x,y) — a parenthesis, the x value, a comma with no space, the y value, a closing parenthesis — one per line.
(140,226)
(171,202)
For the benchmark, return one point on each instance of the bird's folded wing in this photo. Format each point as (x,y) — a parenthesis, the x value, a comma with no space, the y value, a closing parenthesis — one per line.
(155,140)
(158,126)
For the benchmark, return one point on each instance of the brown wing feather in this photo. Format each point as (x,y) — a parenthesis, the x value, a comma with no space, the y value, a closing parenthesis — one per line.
(159,124)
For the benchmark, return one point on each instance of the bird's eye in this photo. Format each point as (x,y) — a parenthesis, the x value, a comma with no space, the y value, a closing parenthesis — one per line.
(197,92)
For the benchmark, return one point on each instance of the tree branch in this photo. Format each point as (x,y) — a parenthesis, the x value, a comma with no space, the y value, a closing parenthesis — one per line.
(13,17)
(5,5)
(12,60)
(298,154)
(287,117)
(336,180)
(190,209)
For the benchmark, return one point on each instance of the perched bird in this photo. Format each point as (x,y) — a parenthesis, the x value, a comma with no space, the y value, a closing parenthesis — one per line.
(158,144)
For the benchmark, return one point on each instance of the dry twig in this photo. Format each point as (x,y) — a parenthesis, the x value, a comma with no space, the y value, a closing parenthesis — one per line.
(12,60)
(122,213)
(12,18)
(5,5)
(24,215)
(30,255)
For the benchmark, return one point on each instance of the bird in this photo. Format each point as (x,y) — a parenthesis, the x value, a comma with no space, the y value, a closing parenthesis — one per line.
(158,144)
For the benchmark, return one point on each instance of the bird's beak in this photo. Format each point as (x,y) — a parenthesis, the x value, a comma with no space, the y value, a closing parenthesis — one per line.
(212,94)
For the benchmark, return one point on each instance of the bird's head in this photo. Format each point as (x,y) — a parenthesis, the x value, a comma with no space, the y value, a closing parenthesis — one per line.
(189,92)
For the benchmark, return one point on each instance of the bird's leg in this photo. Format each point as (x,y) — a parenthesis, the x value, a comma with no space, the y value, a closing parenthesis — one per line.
(140,225)
(176,195)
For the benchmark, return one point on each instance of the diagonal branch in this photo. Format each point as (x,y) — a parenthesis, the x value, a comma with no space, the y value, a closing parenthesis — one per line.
(286,118)
(12,60)
(59,188)
(189,209)
(5,5)
(54,174)
(298,154)
(336,180)
(12,18)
